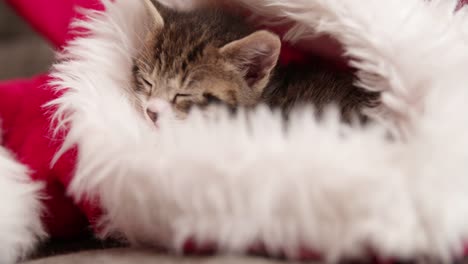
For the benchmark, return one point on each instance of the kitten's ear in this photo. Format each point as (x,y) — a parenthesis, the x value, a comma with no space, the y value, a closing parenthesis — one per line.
(155,20)
(255,56)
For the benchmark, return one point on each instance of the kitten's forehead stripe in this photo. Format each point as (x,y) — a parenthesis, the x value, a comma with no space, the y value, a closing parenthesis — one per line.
(185,37)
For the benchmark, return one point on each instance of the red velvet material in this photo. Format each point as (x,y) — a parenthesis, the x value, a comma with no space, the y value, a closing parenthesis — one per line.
(27,133)
(26,123)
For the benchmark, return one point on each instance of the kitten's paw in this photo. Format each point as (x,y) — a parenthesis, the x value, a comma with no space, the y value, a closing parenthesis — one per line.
(20,209)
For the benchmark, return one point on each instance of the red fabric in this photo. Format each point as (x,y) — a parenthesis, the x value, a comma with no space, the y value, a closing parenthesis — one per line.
(26,132)
(26,124)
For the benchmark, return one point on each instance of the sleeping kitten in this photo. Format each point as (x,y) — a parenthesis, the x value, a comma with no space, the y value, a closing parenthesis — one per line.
(209,56)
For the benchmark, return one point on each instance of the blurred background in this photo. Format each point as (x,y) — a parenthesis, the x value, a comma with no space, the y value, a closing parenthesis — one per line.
(22,52)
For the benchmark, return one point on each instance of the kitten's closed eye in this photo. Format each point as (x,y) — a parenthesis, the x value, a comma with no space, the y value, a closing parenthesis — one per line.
(185,101)
(142,84)
(180,96)
(146,82)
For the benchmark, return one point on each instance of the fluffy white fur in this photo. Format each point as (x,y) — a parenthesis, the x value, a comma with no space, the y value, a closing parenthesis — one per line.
(323,185)
(20,210)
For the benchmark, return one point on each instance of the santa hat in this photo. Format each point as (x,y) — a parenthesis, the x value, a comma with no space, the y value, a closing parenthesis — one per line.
(320,189)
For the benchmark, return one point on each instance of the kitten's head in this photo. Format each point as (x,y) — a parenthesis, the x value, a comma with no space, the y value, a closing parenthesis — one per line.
(200,58)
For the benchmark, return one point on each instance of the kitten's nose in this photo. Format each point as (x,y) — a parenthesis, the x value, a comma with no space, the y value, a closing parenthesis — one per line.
(155,108)
(152,115)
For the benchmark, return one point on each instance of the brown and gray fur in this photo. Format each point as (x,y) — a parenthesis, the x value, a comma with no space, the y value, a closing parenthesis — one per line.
(208,55)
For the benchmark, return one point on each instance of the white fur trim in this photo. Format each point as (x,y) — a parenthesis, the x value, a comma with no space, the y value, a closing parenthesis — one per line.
(20,211)
(323,185)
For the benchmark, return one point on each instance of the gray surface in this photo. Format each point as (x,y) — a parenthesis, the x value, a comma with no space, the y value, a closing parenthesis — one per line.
(128,256)
(22,52)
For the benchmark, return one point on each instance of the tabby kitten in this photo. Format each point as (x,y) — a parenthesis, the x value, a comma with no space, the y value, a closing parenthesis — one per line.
(210,56)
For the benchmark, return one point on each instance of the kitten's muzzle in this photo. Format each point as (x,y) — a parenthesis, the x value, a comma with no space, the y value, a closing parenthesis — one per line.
(155,108)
